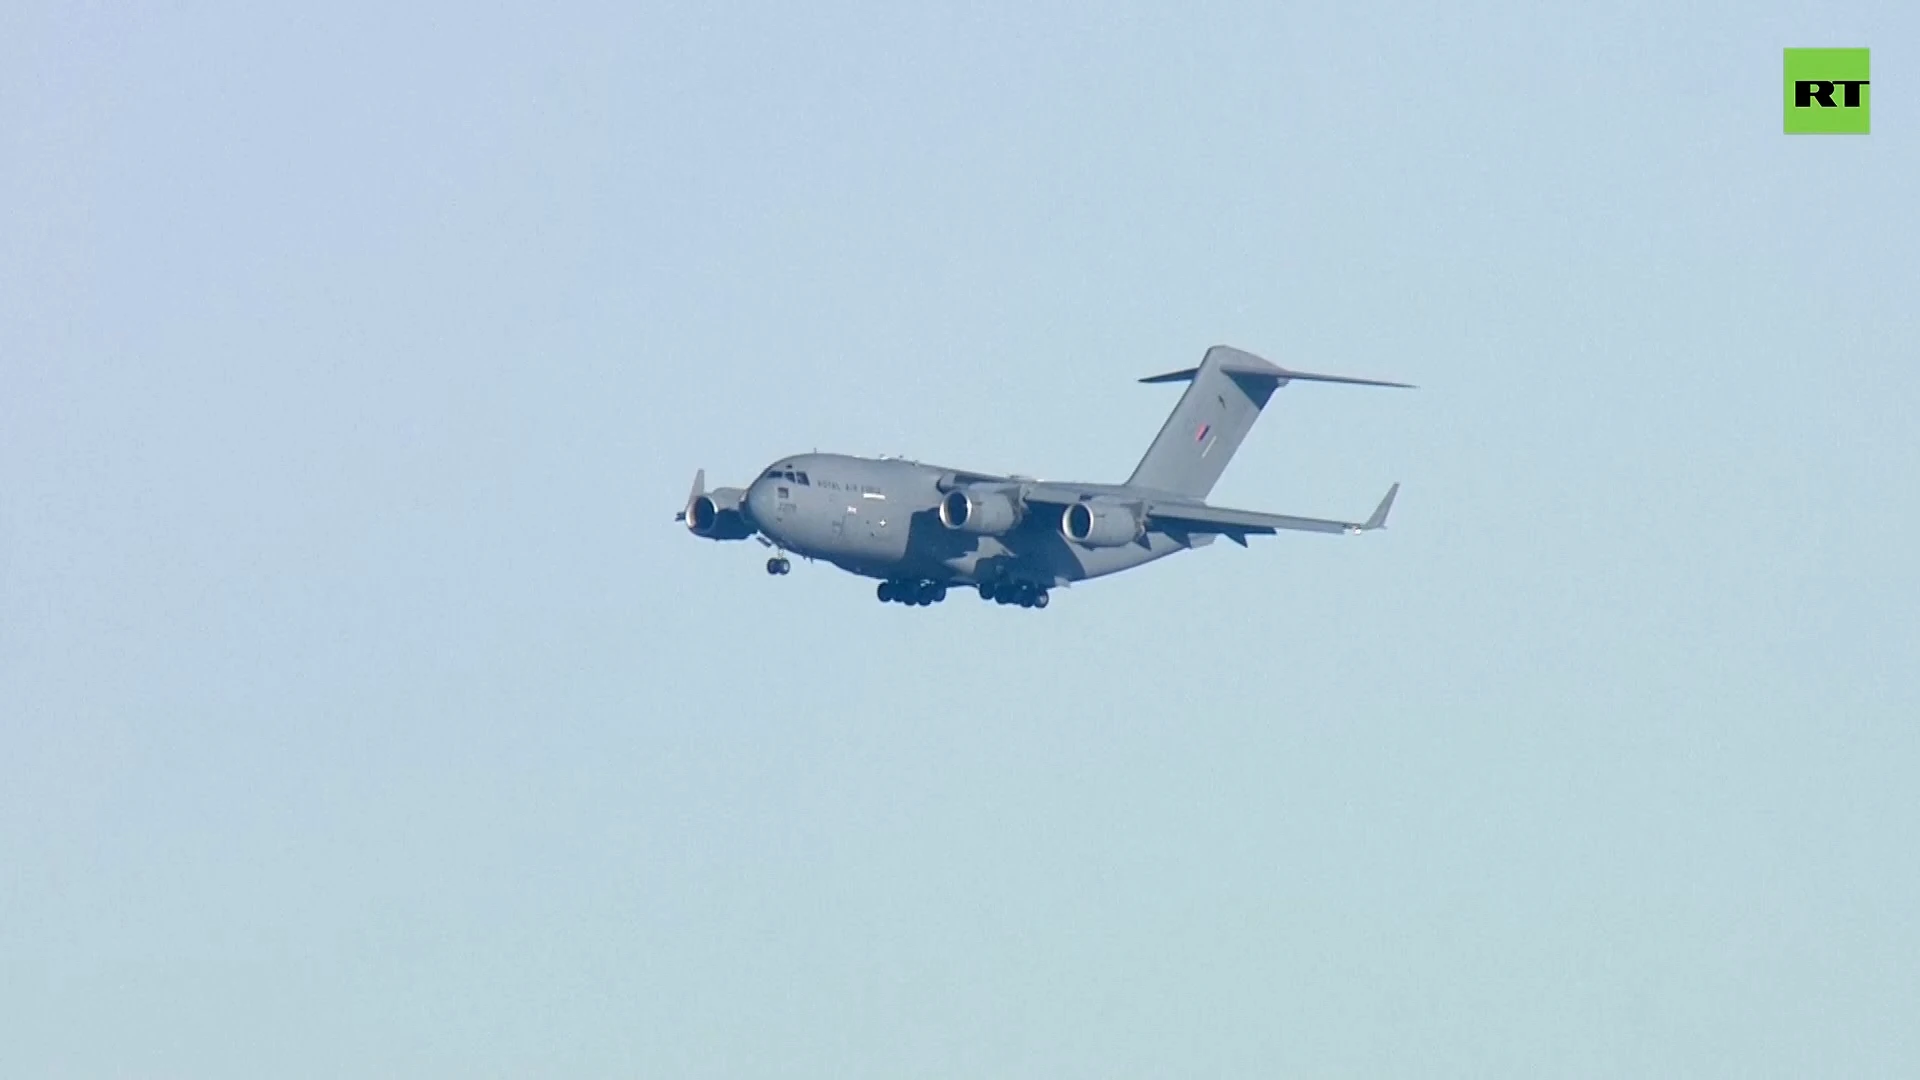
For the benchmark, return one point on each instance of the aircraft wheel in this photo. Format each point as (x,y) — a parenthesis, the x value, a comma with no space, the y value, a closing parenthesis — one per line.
(1040,599)
(939,593)
(986,590)
(885,592)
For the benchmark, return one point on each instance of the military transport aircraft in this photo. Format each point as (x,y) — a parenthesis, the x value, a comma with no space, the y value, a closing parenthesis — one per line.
(922,529)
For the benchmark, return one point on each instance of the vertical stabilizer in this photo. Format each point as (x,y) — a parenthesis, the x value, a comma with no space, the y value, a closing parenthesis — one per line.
(1208,424)
(1224,397)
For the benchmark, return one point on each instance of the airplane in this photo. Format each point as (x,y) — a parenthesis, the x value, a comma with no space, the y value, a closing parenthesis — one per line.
(924,529)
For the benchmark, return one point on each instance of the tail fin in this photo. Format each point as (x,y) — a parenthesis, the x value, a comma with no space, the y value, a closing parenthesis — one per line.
(1224,397)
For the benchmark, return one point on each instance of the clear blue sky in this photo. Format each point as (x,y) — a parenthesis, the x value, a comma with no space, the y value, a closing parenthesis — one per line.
(364,713)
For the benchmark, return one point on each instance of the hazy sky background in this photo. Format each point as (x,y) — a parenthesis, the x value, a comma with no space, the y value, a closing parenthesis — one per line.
(364,713)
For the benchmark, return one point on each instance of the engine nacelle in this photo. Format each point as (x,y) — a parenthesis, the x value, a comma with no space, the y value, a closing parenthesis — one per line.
(1101,524)
(988,513)
(719,515)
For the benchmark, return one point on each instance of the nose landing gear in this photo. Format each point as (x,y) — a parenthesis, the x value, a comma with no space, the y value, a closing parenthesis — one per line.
(778,565)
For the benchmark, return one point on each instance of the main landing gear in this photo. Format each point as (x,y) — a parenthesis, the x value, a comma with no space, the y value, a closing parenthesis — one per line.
(778,565)
(1024,593)
(921,592)
(911,593)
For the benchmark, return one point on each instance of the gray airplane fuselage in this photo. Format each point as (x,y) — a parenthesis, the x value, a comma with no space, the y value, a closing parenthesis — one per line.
(880,518)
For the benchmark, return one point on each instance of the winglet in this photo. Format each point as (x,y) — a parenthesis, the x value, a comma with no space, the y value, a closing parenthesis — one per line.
(699,488)
(1379,518)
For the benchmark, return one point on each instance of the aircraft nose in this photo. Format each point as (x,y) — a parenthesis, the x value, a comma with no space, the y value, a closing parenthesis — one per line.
(760,502)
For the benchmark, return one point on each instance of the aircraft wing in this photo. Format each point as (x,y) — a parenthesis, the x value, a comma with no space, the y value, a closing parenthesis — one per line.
(1180,516)
(1176,517)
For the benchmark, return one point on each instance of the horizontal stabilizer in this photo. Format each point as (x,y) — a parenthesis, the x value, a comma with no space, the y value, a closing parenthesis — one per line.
(1173,376)
(1308,376)
(1245,365)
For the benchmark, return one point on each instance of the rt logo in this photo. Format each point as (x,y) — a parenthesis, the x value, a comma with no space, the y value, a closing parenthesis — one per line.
(1827,91)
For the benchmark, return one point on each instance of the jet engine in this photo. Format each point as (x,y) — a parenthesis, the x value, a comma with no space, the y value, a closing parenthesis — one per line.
(1101,524)
(719,515)
(977,510)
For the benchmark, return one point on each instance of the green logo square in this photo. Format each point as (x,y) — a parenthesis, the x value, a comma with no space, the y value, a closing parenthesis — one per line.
(1827,91)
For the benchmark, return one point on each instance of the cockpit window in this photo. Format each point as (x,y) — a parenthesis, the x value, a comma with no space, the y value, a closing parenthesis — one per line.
(802,478)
